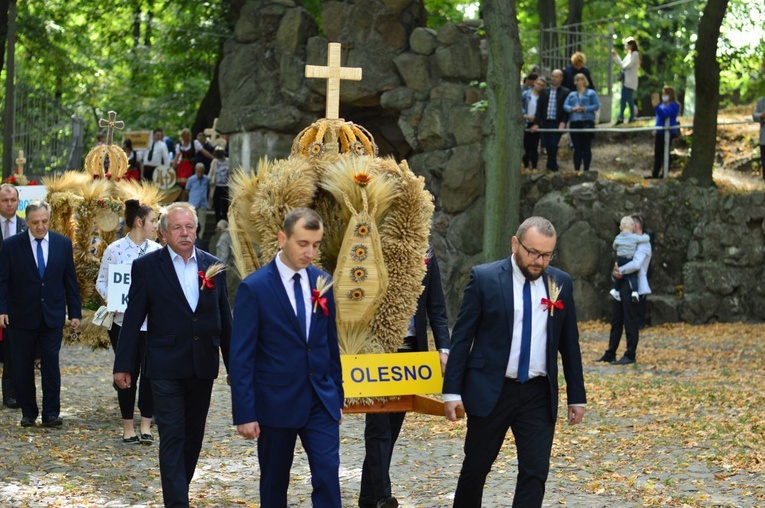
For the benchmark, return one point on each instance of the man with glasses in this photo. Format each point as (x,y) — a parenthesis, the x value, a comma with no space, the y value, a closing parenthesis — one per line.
(516,315)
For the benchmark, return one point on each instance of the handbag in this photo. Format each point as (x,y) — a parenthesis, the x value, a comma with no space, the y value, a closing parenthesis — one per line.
(103,317)
(620,77)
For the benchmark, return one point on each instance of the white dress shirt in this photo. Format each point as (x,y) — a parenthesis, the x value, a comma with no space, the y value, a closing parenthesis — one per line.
(188,276)
(122,252)
(286,273)
(539,316)
(159,156)
(45,244)
(11,226)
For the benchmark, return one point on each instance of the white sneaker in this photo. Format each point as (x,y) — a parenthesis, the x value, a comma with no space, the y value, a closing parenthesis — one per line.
(635,297)
(615,295)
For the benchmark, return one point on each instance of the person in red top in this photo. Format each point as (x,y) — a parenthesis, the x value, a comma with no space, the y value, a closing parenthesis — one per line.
(184,160)
(135,167)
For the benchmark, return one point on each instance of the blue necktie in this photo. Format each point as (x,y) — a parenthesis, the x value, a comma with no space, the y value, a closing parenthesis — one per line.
(40,257)
(523,361)
(299,304)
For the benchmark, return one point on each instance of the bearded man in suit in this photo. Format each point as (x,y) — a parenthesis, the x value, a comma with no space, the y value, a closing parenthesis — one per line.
(517,314)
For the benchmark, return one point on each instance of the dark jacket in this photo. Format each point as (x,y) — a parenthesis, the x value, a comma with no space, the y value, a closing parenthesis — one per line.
(544,101)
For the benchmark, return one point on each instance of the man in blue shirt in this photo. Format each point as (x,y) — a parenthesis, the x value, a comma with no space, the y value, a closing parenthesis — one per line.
(197,188)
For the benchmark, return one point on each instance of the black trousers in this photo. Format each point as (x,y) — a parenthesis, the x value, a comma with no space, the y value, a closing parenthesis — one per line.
(380,434)
(148,173)
(550,141)
(582,144)
(126,396)
(24,351)
(181,407)
(220,203)
(658,153)
(9,388)
(624,316)
(524,408)
(531,148)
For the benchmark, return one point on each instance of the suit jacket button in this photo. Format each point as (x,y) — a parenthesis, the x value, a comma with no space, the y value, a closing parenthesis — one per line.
(196,337)
(310,373)
(194,318)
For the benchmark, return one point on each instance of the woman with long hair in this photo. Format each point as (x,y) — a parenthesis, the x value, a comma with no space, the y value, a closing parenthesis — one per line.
(142,222)
(667,109)
(629,67)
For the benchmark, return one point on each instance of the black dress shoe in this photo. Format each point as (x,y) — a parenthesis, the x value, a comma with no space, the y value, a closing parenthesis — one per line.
(623,361)
(27,421)
(52,421)
(606,358)
(387,502)
(11,403)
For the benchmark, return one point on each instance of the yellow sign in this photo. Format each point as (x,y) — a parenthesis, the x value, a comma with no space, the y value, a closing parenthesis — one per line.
(390,374)
(140,139)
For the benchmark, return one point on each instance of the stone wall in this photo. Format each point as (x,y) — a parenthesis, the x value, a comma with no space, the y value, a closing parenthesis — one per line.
(709,248)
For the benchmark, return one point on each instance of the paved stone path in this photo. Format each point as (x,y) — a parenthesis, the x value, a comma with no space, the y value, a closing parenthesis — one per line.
(84,464)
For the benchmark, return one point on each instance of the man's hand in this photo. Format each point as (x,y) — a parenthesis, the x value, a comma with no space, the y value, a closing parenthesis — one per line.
(534,128)
(575,414)
(616,273)
(122,379)
(450,410)
(75,323)
(444,357)
(562,125)
(249,430)
(3,320)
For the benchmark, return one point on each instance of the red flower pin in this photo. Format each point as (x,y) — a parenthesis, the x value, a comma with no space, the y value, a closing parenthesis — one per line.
(557,304)
(209,276)
(317,299)
(206,283)
(553,303)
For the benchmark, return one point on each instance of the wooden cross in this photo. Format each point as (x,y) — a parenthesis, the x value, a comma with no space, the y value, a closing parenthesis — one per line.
(212,132)
(333,73)
(111,124)
(20,161)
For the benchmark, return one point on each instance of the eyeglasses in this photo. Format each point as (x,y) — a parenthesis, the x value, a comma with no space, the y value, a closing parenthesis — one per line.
(546,257)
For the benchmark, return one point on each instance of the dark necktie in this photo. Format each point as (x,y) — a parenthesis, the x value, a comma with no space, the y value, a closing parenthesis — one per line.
(7,229)
(150,159)
(40,257)
(523,361)
(299,304)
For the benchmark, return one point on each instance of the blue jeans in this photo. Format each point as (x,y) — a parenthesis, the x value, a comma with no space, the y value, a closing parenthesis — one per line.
(628,99)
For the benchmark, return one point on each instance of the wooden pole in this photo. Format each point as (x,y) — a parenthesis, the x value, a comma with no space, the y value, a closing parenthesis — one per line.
(10,68)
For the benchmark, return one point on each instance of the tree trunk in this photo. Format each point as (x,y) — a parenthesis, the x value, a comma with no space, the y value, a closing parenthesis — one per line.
(547,41)
(707,72)
(502,149)
(209,108)
(574,25)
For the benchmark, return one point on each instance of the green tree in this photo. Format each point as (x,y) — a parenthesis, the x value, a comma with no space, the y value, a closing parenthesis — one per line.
(501,163)
(704,139)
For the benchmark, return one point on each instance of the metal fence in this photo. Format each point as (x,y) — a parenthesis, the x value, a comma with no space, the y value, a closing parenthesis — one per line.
(557,44)
(51,136)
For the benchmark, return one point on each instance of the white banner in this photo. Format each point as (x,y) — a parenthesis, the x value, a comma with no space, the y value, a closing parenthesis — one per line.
(119,284)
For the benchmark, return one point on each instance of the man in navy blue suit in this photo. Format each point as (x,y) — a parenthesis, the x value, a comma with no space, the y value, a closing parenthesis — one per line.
(517,314)
(38,283)
(286,379)
(189,324)
(10,225)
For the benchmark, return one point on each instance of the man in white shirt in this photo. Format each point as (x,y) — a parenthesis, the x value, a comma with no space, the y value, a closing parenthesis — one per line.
(156,155)
(517,314)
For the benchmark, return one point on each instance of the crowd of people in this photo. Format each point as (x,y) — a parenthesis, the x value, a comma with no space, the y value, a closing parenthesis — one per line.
(571,100)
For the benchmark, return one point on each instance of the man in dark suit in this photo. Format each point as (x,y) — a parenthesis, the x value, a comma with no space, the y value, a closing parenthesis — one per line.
(38,283)
(516,315)
(189,323)
(551,115)
(286,379)
(382,429)
(10,224)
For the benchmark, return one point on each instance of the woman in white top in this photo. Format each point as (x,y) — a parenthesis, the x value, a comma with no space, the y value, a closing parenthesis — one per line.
(629,66)
(142,222)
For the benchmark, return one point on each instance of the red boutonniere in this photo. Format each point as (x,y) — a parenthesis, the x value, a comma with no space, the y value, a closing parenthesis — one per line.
(209,276)
(557,304)
(553,303)
(322,286)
